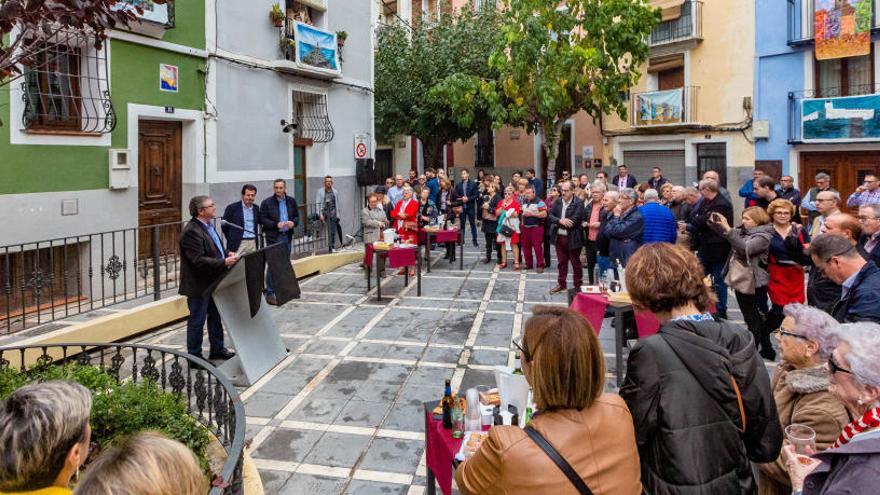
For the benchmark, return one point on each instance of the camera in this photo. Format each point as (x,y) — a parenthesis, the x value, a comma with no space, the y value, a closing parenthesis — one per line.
(287,128)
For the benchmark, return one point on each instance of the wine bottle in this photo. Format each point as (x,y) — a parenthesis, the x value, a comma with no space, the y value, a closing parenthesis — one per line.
(447,405)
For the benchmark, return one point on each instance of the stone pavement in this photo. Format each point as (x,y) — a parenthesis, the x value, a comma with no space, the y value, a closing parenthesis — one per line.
(343,412)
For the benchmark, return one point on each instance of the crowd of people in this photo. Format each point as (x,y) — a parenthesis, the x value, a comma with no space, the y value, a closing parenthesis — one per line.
(698,412)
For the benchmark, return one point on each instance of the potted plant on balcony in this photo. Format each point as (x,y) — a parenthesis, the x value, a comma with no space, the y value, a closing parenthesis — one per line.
(341,36)
(277,15)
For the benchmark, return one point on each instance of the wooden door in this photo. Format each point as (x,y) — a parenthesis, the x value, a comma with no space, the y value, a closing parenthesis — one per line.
(847,170)
(670,78)
(159,182)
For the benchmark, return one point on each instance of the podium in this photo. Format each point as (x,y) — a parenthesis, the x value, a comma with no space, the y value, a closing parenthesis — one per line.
(239,299)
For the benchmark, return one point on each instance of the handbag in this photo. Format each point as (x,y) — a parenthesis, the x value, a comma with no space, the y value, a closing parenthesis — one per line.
(560,461)
(740,275)
(506,231)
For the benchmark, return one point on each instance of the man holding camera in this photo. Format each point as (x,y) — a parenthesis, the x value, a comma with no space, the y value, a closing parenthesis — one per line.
(712,248)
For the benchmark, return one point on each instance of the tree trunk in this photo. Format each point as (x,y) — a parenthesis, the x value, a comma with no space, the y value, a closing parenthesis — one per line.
(550,136)
(432,152)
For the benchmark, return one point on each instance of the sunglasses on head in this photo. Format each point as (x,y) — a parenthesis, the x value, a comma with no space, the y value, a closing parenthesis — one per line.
(518,343)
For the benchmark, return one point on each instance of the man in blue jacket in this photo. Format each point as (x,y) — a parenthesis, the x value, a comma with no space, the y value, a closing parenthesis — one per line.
(244,214)
(660,223)
(626,228)
(747,191)
(279,216)
(468,192)
(433,184)
(860,280)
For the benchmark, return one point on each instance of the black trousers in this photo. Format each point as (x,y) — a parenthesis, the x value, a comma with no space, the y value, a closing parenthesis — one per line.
(751,306)
(334,227)
(490,245)
(546,250)
(774,318)
(591,249)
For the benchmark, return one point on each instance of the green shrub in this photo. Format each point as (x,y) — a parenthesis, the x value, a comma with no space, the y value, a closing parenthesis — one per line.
(120,410)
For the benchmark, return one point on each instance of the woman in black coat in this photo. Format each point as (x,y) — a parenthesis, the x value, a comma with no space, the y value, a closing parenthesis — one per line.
(488,204)
(699,393)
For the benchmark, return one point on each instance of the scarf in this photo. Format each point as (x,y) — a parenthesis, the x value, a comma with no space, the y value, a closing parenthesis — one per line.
(869,421)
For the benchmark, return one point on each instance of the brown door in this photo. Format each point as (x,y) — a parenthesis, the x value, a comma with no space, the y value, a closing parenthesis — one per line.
(670,78)
(159,182)
(847,170)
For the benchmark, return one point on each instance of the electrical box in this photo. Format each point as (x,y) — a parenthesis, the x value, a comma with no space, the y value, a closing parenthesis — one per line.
(761,129)
(120,169)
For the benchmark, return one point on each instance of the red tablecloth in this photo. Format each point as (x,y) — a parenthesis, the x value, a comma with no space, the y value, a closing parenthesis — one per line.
(440,450)
(593,306)
(399,257)
(368,255)
(449,235)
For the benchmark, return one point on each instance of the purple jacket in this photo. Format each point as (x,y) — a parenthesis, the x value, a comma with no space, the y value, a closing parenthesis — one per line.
(853,468)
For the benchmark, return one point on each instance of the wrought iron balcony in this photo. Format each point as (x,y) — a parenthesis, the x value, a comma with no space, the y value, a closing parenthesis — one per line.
(834,115)
(687,27)
(671,107)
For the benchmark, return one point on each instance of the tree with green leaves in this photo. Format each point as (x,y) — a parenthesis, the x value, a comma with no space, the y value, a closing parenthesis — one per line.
(412,60)
(554,61)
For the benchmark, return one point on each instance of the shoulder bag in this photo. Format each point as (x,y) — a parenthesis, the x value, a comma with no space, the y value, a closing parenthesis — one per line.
(560,461)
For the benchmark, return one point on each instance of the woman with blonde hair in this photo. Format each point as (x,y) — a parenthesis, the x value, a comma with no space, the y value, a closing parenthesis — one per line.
(148,463)
(698,391)
(592,431)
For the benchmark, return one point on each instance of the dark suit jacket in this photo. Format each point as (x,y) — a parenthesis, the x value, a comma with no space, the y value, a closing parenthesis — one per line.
(873,255)
(862,300)
(631,181)
(656,183)
(200,263)
(712,246)
(235,213)
(270,216)
(575,213)
(471,190)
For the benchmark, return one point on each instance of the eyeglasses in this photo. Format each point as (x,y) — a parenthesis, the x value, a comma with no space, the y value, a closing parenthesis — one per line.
(866,219)
(208,206)
(782,333)
(833,367)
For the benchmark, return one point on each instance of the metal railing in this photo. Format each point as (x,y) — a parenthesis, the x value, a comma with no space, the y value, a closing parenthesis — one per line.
(49,280)
(209,396)
(664,108)
(795,101)
(686,27)
(801,21)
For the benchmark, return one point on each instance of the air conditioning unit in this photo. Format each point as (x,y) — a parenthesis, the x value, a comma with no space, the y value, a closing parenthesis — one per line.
(120,169)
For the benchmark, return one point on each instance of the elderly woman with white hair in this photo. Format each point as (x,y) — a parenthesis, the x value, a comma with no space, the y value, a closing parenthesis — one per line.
(852,463)
(800,386)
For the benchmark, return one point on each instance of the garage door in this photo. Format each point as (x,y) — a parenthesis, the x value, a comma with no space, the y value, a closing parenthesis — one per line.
(640,163)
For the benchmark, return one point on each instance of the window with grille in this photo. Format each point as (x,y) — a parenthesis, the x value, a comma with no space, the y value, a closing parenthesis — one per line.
(311,117)
(66,87)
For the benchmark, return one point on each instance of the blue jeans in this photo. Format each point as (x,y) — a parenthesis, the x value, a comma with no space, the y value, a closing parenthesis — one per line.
(604,264)
(714,269)
(469,212)
(269,290)
(201,309)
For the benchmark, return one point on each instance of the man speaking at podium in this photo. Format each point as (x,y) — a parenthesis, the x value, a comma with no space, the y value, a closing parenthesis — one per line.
(203,260)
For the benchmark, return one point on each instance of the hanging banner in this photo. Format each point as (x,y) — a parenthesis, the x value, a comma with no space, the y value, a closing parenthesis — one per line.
(844,119)
(843,28)
(150,11)
(660,107)
(316,47)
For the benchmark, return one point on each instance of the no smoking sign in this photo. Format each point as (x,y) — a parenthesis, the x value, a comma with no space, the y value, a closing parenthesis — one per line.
(361,150)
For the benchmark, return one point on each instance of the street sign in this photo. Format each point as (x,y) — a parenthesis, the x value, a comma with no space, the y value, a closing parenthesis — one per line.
(361,146)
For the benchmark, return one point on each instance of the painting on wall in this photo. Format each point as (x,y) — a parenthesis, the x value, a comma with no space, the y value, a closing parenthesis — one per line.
(660,107)
(848,118)
(168,78)
(843,28)
(315,47)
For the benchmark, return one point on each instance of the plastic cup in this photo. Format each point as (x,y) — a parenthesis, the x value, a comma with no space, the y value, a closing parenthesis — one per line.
(802,437)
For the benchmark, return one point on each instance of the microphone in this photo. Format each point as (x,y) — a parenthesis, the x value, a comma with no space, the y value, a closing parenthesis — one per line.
(223,221)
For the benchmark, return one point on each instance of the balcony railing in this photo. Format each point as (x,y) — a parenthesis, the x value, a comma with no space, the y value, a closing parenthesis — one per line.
(689,26)
(834,115)
(309,50)
(669,107)
(209,396)
(801,21)
(50,280)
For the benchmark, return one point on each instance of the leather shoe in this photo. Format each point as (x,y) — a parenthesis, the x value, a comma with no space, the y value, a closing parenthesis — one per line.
(223,354)
(557,289)
(271,300)
(540,269)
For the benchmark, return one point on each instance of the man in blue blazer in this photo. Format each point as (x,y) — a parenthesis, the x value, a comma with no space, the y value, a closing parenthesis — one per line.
(244,214)
(468,191)
(279,215)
